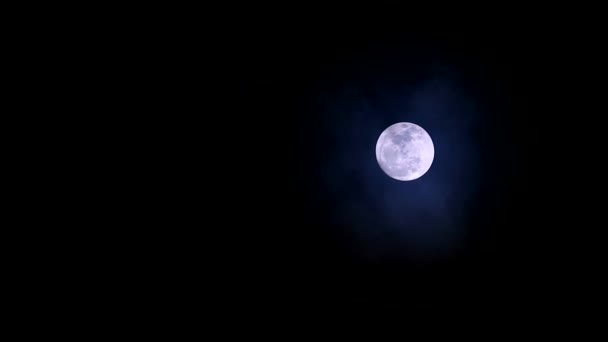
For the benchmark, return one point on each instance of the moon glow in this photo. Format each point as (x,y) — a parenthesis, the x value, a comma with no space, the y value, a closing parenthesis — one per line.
(405,151)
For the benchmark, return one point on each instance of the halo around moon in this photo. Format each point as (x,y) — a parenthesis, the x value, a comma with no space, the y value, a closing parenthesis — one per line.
(405,151)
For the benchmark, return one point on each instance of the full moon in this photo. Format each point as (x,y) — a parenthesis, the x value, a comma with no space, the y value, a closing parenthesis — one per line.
(405,151)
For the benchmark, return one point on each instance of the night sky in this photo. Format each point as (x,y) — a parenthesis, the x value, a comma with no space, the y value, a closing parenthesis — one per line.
(287,146)
(331,97)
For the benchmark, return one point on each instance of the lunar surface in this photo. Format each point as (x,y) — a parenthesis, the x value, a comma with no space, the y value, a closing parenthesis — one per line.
(405,151)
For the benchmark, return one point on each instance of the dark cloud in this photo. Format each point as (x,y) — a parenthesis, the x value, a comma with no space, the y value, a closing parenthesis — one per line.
(421,217)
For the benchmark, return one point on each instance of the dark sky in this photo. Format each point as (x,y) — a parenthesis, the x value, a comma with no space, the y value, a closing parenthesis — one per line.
(288,152)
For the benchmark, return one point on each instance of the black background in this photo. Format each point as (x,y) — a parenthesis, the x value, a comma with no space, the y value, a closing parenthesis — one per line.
(198,158)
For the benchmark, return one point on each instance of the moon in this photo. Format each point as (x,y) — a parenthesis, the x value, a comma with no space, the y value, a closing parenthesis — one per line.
(405,151)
